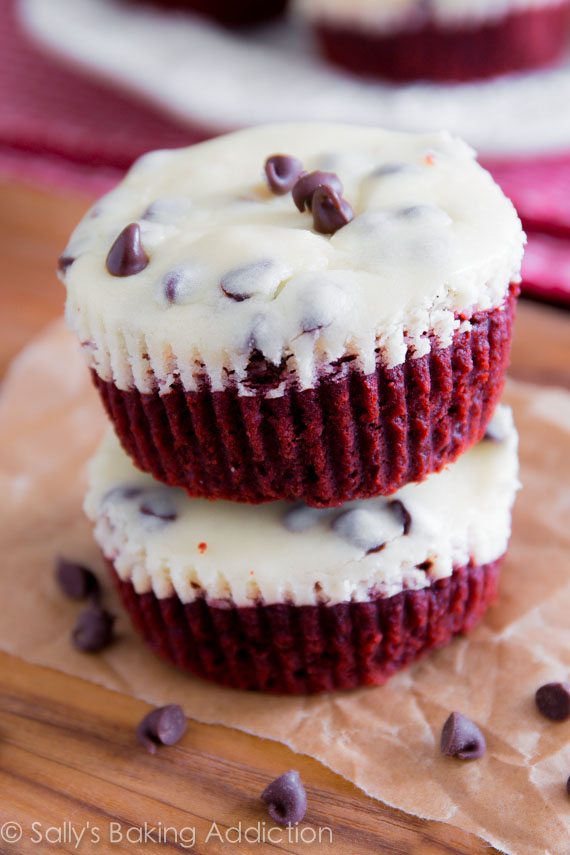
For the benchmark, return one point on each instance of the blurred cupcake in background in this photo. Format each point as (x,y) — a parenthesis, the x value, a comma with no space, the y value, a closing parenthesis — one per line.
(240,14)
(445,40)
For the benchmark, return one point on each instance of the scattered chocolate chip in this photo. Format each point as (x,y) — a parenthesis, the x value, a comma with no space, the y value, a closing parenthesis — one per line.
(306,186)
(330,211)
(241,283)
(127,256)
(93,630)
(300,517)
(76,581)
(163,726)
(462,738)
(403,514)
(282,172)
(157,503)
(177,286)
(64,262)
(553,701)
(286,799)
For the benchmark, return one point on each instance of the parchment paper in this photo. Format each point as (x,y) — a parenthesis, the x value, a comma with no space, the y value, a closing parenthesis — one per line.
(385,740)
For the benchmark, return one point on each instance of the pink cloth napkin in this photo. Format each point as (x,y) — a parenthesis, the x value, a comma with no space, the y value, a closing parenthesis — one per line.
(58,127)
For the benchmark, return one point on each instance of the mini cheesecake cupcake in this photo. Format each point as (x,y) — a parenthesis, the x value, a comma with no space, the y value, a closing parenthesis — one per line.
(446,40)
(313,599)
(329,330)
(235,14)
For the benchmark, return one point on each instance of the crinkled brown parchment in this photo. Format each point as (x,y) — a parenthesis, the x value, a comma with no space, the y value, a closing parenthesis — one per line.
(385,740)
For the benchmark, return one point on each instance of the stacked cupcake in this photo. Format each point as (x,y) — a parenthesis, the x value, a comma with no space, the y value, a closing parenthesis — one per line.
(310,325)
(445,40)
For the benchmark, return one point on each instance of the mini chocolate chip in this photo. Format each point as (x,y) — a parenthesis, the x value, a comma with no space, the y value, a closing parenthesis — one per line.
(361,528)
(76,581)
(127,256)
(330,211)
(300,517)
(163,726)
(553,701)
(307,184)
(243,282)
(462,738)
(177,286)
(403,514)
(282,172)
(157,504)
(64,262)
(93,630)
(286,799)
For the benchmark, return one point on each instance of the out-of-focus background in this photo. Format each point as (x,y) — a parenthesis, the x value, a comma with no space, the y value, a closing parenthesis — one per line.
(86,86)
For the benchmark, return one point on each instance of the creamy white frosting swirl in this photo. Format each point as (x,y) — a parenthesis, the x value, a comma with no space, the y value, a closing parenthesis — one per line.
(279,552)
(433,237)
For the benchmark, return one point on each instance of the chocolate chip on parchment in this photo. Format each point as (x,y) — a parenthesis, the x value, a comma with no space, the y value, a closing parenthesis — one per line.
(462,738)
(75,580)
(306,186)
(157,504)
(64,262)
(163,726)
(330,211)
(282,172)
(286,799)
(553,701)
(93,630)
(127,256)
(403,514)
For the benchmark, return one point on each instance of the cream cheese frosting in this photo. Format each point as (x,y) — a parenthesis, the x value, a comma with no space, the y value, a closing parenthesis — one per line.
(433,238)
(391,15)
(166,542)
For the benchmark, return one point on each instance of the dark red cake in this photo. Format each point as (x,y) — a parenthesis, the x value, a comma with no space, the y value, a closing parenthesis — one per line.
(289,649)
(234,13)
(516,41)
(353,436)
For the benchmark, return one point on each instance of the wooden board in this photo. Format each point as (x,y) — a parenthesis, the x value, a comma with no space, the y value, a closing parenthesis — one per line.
(67,748)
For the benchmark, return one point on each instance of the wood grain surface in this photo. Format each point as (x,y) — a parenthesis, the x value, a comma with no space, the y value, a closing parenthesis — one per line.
(67,747)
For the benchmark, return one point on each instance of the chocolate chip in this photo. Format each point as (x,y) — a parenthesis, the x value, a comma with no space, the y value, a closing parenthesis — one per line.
(299,517)
(64,262)
(282,172)
(157,504)
(127,256)
(76,581)
(93,630)
(568,786)
(123,492)
(403,514)
(330,211)
(177,286)
(241,283)
(553,701)
(307,184)
(286,799)
(163,726)
(360,528)
(462,738)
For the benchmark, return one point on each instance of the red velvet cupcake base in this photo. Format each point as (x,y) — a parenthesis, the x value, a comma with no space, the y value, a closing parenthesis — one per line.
(516,42)
(289,649)
(234,13)
(353,436)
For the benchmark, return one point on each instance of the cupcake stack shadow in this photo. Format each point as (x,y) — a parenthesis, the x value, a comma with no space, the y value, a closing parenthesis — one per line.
(310,479)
